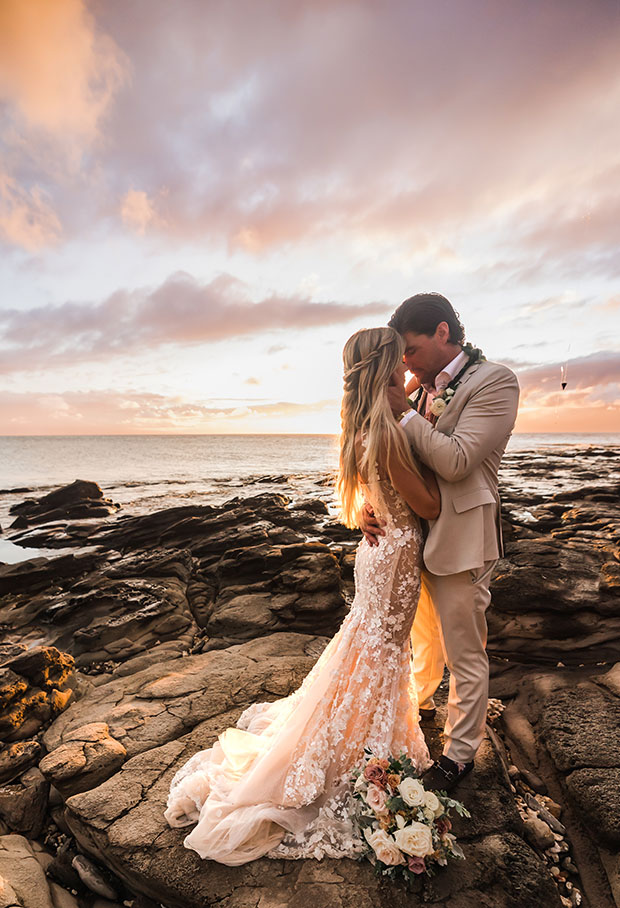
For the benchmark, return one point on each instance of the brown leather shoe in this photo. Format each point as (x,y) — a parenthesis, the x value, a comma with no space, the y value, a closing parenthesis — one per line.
(445,774)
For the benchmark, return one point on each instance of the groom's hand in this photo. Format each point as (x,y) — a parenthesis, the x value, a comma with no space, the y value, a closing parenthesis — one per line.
(370,525)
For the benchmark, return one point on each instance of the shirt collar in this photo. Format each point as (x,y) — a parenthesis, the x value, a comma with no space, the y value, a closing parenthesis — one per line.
(452,369)
(456,364)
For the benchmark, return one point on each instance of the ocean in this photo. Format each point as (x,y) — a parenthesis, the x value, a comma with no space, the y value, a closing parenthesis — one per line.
(145,473)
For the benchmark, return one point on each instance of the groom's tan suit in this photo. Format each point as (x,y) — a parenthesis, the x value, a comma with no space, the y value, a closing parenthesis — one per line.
(464,449)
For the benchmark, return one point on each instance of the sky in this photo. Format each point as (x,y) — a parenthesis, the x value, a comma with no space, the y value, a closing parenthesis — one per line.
(200,201)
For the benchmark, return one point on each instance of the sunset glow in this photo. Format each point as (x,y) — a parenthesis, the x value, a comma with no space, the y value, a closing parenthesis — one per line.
(199,203)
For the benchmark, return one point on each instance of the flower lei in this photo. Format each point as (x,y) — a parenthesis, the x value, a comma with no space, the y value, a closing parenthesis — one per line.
(443,398)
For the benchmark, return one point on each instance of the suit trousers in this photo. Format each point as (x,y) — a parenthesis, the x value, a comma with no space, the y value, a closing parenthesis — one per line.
(450,629)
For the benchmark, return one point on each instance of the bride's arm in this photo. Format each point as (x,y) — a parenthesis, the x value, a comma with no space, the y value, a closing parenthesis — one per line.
(420,492)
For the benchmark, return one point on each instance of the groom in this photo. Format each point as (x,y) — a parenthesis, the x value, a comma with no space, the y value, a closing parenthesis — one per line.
(460,422)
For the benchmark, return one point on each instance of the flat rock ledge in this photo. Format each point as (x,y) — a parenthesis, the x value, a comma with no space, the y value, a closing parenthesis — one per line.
(113,752)
(162,714)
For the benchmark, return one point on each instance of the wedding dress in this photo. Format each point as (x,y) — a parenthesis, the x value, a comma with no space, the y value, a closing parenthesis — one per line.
(279,783)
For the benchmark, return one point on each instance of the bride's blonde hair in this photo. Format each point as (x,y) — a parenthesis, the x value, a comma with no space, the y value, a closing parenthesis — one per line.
(370,357)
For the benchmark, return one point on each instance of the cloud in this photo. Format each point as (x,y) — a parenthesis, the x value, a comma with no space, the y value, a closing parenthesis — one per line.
(549,304)
(114,412)
(181,311)
(58,75)
(592,380)
(138,211)
(26,217)
(78,68)
(422,130)
(585,371)
(611,305)
(322,119)
(589,404)
(310,120)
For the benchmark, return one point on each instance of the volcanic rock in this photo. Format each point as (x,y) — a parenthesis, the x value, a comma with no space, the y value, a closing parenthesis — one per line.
(88,755)
(23,804)
(121,822)
(573,719)
(35,685)
(106,610)
(72,502)
(264,588)
(16,758)
(595,792)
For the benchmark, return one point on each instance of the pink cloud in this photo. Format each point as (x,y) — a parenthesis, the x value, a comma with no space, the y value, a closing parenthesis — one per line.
(180,311)
(78,67)
(592,380)
(113,412)
(26,217)
(329,118)
(307,120)
(59,73)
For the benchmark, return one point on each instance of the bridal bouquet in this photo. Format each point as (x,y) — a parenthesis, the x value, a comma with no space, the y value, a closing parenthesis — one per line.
(406,827)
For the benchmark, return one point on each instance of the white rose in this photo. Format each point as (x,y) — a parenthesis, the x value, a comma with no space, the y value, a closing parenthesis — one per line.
(360,784)
(384,846)
(430,816)
(412,792)
(438,406)
(432,801)
(415,839)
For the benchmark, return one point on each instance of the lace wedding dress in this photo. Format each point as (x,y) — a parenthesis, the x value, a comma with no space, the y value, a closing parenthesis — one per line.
(278,783)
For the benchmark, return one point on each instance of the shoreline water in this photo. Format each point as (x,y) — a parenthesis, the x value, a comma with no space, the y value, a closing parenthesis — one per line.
(149,472)
(144,474)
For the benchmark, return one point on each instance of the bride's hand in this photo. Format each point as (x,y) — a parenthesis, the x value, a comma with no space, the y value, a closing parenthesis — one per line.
(370,525)
(397,399)
(397,396)
(412,385)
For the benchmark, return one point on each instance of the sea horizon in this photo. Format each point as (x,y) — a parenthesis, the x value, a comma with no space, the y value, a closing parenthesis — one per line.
(255,434)
(205,461)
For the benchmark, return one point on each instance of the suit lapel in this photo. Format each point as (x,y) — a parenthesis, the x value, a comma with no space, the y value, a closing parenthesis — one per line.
(466,377)
(471,371)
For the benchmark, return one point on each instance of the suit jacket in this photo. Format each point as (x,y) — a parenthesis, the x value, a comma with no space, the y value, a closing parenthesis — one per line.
(464,449)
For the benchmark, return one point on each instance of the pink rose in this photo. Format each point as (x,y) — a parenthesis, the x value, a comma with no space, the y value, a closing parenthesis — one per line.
(374,773)
(416,864)
(376,798)
(443,825)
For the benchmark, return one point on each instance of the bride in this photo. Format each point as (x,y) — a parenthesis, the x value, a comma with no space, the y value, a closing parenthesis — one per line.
(278,783)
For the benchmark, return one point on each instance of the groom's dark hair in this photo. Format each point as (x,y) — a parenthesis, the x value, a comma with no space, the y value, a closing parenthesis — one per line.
(423,312)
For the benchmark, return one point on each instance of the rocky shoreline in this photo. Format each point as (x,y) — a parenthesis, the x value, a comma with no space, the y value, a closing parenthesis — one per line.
(146,635)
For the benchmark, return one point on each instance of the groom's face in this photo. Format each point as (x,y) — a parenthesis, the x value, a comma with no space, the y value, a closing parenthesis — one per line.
(426,356)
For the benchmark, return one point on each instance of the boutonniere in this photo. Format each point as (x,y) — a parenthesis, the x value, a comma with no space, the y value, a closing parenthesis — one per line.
(441,400)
